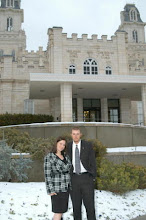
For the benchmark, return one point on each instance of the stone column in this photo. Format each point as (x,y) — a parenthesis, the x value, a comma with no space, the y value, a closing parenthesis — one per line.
(80,109)
(143,94)
(66,102)
(134,112)
(104,110)
(125,110)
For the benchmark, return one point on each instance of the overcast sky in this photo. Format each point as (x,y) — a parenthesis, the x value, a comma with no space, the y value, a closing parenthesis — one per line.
(101,17)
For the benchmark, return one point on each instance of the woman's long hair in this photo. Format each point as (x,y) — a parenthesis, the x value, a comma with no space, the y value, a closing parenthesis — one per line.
(54,148)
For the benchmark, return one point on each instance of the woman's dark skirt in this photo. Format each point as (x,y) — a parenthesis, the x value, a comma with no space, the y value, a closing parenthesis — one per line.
(60,202)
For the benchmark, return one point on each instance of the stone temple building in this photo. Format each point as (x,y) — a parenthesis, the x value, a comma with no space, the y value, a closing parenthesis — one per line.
(75,79)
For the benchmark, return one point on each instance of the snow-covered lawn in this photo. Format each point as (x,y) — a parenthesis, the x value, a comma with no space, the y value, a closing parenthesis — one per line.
(127,149)
(29,201)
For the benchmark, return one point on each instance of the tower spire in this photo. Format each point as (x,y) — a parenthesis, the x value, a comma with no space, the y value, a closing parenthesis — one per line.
(132,23)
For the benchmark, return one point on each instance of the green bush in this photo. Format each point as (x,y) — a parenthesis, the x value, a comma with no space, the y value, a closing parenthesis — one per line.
(39,147)
(99,148)
(141,171)
(17,139)
(23,143)
(11,167)
(16,119)
(120,178)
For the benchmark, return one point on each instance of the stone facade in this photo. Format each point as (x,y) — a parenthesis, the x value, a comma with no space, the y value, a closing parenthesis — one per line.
(117,64)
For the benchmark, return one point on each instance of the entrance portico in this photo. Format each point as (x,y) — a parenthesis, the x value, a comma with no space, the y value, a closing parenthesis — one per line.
(81,87)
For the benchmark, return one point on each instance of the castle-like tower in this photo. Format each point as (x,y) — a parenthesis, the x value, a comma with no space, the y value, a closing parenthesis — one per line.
(12,42)
(15,62)
(12,37)
(132,23)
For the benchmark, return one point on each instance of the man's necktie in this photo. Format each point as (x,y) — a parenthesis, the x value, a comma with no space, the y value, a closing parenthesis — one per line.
(77,160)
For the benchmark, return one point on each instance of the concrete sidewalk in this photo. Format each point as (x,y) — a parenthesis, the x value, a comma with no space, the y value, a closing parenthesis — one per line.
(140,218)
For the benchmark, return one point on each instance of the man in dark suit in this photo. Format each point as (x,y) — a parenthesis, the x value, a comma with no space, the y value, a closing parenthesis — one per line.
(83,174)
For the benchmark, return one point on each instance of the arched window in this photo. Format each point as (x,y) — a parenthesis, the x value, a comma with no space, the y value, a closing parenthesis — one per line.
(90,67)
(108,70)
(10,3)
(135,36)
(133,15)
(72,69)
(9,24)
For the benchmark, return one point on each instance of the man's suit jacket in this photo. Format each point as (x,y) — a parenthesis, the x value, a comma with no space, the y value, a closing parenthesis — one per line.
(87,156)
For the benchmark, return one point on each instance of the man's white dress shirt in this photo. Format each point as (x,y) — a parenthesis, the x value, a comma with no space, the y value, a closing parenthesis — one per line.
(83,170)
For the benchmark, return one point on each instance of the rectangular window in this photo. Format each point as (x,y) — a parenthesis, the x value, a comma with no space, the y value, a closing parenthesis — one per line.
(92,110)
(28,106)
(9,24)
(113,110)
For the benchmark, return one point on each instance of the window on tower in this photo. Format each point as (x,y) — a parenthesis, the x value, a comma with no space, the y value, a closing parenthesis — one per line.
(10,3)
(17,4)
(133,15)
(9,24)
(135,36)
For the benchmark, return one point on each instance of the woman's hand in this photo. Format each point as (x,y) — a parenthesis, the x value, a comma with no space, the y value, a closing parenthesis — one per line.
(53,194)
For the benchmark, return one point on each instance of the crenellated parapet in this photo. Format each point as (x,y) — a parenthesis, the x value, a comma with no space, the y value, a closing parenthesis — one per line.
(55,32)
(33,61)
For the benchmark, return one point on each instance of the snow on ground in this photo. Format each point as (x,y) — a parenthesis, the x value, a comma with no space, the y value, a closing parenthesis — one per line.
(29,201)
(127,149)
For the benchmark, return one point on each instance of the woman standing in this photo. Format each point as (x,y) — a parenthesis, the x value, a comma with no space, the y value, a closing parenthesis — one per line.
(57,167)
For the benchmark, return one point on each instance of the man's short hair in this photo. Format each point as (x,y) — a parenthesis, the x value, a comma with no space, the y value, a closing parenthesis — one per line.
(76,129)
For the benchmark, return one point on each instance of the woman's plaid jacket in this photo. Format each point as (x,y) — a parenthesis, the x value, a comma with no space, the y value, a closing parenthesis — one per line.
(57,173)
